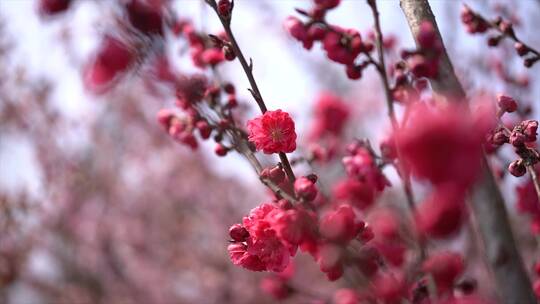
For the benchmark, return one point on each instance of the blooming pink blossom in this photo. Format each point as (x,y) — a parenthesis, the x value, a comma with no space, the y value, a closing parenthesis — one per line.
(445,267)
(342,45)
(330,115)
(442,213)
(112,59)
(355,192)
(441,144)
(339,225)
(273,132)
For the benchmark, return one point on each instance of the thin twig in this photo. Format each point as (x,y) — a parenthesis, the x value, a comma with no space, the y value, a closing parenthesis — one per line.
(381,69)
(534,178)
(248,70)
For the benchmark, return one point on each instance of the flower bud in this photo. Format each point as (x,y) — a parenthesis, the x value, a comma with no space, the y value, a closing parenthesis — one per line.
(521,49)
(229,88)
(354,72)
(228,52)
(296,28)
(238,233)
(517,169)
(316,33)
(530,128)
(221,150)
(275,174)
(499,138)
(224,8)
(164,117)
(204,129)
(506,103)
(517,138)
(276,287)
(388,149)
(305,188)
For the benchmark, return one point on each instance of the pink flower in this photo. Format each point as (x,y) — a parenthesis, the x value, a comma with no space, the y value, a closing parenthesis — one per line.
(357,193)
(387,240)
(275,287)
(445,267)
(213,56)
(342,45)
(327,4)
(239,256)
(305,188)
(295,226)
(52,7)
(146,16)
(330,261)
(442,213)
(330,114)
(269,235)
(190,90)
(527,200)
(112,59)
(346,296)
(389,287)
(273,132)
(361,165)
(298,30)
(441,144)
(339,225)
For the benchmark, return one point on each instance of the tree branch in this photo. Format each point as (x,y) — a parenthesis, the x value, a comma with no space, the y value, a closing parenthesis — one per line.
(488,206)
(248,70)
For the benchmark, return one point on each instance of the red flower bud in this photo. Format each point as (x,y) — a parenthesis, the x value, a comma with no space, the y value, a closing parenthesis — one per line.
(354,72)
(517,138)
(276,287)
(521,49)
(52,7)
(224,8)
(229,88)
(506,103)
(204,129)
(228,52)
(221,150)
(517,169)
(275,174)
(530,127)
(238,233)
(305,188)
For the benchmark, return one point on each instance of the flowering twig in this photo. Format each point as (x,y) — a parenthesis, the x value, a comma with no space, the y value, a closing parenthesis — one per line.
(488,205)
(381,69)
(476,23)
(248,70)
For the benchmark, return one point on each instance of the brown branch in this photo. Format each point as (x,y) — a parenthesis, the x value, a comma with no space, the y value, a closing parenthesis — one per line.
(248,70)
(381,69)
(534,178)
(513,284)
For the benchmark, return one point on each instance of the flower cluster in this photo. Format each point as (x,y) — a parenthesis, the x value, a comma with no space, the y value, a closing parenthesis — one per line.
(424,61)
(477,24)
(341,45)
(205,51)
(269,235)
(522,138)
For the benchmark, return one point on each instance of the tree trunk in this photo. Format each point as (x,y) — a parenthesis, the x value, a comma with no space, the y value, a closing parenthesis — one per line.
(489,209)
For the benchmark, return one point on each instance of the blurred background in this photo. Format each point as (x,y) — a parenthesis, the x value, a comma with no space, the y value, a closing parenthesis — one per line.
(99,205)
